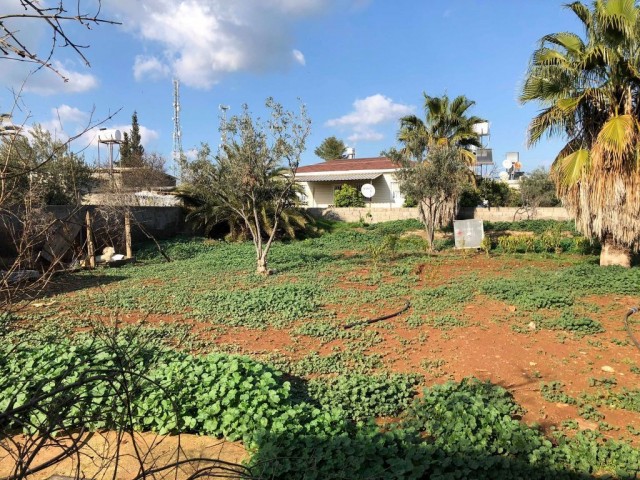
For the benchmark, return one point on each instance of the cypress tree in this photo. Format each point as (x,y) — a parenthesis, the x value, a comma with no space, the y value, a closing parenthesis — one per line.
(131,150)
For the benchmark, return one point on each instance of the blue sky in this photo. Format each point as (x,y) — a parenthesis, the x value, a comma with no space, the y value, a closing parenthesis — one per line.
(358,65)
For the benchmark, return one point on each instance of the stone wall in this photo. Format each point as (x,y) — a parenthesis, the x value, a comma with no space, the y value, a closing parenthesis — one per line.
(511,214)
(133,199)
(357,214)
(502,214)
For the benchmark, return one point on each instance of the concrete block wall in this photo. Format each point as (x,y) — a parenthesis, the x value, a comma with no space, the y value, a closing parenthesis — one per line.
(502,214)
(373,215)
(162,222)
(511,214)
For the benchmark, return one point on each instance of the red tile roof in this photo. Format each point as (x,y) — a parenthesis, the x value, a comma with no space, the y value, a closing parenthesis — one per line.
(343,165)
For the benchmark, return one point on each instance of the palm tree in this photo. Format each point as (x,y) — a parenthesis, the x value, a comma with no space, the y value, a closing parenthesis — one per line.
(589,92)
(446,124)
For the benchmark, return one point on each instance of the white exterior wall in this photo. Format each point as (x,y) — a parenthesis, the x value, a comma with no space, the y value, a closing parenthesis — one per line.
(320,194)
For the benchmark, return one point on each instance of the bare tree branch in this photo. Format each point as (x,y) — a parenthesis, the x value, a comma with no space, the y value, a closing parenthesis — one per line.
(13,48)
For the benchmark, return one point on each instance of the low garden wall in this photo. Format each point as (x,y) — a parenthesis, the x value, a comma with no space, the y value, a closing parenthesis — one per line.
(161,222)
(496,214)
(512,214)
(368,215)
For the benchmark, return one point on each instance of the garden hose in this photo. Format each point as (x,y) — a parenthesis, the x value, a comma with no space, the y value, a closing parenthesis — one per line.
(379,319)
(626,326)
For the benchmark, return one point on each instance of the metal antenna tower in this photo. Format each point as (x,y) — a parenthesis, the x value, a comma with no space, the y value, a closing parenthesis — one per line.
(178,154)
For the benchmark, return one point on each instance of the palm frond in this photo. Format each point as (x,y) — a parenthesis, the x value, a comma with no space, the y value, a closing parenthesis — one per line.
(570,42)
(582,12)
(569,169)
(617,135)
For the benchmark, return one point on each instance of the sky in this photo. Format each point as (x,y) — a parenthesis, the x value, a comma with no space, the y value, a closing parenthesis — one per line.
(357,65)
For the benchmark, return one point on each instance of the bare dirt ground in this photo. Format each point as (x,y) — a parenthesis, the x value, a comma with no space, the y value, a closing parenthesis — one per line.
(102,456)
(487,347)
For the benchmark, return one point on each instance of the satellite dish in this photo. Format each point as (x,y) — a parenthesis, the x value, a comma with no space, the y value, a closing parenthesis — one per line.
(368,190)
(506,163)
(504,176)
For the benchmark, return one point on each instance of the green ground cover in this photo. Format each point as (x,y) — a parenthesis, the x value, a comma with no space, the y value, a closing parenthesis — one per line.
(317,405)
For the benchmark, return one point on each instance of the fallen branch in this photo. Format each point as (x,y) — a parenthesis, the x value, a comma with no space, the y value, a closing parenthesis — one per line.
(379,319)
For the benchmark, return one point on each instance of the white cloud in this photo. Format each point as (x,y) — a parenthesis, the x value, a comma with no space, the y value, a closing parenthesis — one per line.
(365,135)
(201,41)
(90,138)
(299,57)
(66,120)
(373,110)
(149,68)
(44,81)
(35,35)
(71,114)
(191,154)
(370,112)
(299,7)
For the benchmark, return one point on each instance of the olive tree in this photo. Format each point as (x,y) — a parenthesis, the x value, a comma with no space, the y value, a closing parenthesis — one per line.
(254,173)
(434,184)
(538,190)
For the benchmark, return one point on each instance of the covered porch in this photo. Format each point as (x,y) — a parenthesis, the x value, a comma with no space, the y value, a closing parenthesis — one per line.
(319,189)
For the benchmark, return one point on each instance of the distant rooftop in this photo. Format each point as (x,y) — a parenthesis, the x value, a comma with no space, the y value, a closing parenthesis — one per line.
(349,164)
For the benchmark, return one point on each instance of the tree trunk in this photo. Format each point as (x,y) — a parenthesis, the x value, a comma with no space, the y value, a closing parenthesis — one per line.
(431,234)
(613,254)
(90,248)
(262,268)
(425,221)
(127,233)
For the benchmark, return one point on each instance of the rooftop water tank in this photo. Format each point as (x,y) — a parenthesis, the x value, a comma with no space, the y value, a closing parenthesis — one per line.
(109,135)
(481,128)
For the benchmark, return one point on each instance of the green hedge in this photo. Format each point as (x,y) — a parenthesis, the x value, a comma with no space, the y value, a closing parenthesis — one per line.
(535,226)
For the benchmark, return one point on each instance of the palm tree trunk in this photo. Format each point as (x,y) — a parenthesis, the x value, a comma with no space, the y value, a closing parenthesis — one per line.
(614,254)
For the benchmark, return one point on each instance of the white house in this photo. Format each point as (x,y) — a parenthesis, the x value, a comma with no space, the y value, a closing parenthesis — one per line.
(321,180)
